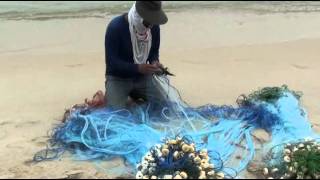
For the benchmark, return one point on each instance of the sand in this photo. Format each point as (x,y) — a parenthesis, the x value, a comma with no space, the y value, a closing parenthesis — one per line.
(47,66)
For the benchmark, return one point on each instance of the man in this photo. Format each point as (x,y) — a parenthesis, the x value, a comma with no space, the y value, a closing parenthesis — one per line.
(132,54)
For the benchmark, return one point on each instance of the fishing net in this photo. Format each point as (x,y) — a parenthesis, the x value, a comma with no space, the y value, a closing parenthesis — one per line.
(104,133)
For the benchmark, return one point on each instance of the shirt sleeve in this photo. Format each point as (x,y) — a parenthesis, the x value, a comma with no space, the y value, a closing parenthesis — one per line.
(154,52)
(112,46)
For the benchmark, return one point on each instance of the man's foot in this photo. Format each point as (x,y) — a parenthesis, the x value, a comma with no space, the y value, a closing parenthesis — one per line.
(98,100)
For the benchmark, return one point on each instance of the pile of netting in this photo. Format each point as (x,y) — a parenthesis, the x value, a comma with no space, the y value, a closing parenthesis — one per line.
(103,133)
(177,159)
(296,160)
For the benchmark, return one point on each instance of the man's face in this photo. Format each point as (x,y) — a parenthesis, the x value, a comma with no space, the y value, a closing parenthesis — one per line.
(146,24)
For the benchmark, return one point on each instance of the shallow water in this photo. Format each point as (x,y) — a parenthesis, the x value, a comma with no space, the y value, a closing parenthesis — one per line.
(37,10)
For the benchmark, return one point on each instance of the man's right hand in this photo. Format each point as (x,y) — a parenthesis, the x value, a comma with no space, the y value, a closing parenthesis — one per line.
(148,69)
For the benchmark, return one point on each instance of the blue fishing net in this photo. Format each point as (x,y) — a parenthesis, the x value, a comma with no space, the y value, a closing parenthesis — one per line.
(106,133)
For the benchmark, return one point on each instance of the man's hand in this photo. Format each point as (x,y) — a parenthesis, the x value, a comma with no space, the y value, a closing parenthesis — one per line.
(163,70)
(158,64)
(148,69)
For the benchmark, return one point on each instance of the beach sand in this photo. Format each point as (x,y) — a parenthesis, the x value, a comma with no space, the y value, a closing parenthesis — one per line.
(47,66)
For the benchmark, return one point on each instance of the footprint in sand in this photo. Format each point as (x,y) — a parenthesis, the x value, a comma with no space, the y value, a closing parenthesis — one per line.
(242,60)
(29,162)
(297,66)
(192,62)
(7,176)
(3,134)
(5,123)
(28,123)
(73,65)
(40,141)
(14,146)
(74,174)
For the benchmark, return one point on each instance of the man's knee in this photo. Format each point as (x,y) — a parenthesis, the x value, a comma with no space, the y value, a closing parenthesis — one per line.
(117,91)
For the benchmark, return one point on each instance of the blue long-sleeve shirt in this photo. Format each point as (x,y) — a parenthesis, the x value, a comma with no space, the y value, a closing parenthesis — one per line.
(118,49)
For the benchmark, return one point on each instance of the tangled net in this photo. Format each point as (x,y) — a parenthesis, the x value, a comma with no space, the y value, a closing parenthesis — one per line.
(271,94)
(177,159)
(298,160)
(92,132)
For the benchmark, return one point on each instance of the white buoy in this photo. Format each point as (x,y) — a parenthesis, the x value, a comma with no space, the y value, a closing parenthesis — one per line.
(184,175)
(211,173)
(301,145)
(165,152)
(139,175)
(168,176)
(287,151)
(220,175)
(177,177)
(274,170)
(286,159)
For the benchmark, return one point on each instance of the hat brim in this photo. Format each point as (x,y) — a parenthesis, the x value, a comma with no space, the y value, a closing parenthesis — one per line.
(153,17)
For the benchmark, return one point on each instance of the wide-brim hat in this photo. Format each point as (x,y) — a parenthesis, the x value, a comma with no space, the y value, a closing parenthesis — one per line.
(152,12)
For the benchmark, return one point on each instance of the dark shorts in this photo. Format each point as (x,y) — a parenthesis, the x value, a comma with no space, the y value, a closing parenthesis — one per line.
(118,90)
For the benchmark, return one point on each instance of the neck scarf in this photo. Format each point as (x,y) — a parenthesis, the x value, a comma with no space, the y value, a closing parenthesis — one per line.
(141,37)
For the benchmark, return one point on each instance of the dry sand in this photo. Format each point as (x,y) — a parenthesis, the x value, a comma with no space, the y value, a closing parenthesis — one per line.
(47,66)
